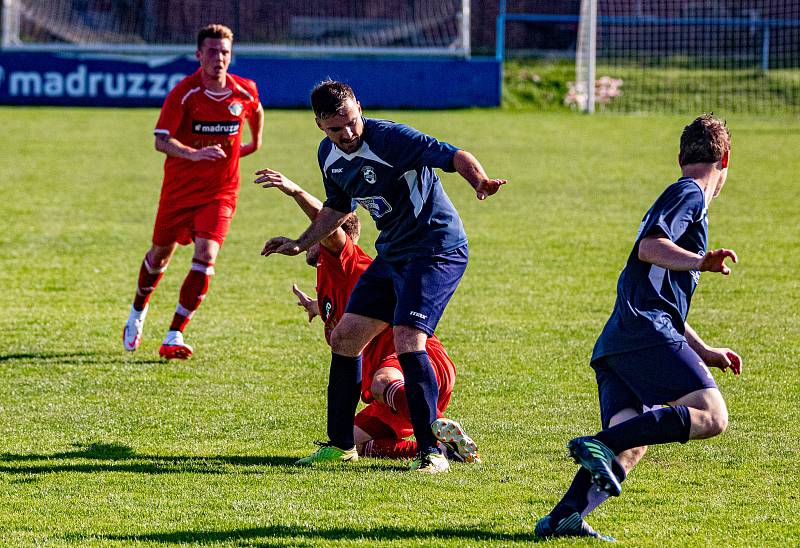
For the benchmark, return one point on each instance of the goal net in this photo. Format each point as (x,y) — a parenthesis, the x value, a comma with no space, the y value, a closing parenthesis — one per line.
(689,56)
(404,27)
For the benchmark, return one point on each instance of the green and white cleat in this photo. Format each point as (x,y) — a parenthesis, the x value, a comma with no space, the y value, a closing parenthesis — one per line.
(329,453)
(430,463)
(455,439)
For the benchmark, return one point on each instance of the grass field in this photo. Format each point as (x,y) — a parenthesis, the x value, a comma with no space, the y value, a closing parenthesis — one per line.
(670,86)
(98,447)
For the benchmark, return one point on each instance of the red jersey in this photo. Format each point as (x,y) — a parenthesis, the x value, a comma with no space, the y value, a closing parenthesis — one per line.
(198,117)
(336,278)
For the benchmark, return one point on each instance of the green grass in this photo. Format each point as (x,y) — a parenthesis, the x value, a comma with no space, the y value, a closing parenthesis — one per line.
(98,447)
(668,86)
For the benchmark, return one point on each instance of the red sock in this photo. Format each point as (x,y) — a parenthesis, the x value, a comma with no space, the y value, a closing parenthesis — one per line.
(148,280)
(394,395)
(193,291)
(390,448)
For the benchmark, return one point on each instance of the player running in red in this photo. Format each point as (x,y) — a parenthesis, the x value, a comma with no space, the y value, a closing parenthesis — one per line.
(200,130)
(380,428)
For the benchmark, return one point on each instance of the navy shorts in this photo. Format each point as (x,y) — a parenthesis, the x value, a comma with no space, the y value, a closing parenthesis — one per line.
(413,292)
(648,377)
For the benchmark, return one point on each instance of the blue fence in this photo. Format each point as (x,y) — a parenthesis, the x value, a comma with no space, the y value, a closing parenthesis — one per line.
(115,80)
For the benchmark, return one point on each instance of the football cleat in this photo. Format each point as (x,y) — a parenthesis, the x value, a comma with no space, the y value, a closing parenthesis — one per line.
(132,332)
(329,453)
(570,526)
(430,462)
(173,347)
(458,444)
(597,458)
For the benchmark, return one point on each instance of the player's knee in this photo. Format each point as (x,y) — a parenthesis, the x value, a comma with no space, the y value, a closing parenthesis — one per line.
(343,341)
(718,422)
(409,339)
(377,388)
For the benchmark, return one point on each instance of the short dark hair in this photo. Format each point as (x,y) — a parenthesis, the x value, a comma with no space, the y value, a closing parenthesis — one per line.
(329,96)
(216,30)
(352,227)
(704,141)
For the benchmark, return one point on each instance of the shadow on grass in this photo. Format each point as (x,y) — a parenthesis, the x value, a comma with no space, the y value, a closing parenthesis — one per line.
(112,457)
(72,357)
(275,532)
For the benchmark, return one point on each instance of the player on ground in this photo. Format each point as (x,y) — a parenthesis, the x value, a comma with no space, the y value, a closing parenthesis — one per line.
(381,427)
(200,131)
(422,254)
(647,355)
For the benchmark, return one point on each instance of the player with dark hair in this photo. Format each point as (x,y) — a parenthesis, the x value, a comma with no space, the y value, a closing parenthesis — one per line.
(422,253)
(200,131)
(651,366)
(381,427)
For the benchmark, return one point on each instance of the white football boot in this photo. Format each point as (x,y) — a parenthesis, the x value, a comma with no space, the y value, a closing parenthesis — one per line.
(132,332)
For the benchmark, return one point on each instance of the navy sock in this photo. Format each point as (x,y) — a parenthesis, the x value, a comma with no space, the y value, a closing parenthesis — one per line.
(664,425)
(582,496)
(422,393)
(344,391)
(595,497)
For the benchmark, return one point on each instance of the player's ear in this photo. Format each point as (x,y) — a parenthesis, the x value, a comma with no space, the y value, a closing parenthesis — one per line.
(319,123)
(358,104)
(198,54)
(725,158)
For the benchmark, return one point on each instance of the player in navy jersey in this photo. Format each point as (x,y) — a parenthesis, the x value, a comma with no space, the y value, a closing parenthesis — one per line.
(651,366)
(389,169)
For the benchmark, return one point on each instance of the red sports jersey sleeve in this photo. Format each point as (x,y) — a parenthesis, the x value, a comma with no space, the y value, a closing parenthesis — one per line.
(198,117)
(172,112)
(337,275)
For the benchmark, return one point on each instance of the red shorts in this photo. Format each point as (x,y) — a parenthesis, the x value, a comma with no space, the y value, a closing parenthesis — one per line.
(379,421)
(210,221)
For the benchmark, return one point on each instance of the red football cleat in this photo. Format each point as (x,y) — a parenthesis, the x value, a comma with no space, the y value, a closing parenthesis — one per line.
(173,347)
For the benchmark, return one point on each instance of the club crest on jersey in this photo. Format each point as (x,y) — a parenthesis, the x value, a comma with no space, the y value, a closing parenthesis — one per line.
(235,108)
(369,174)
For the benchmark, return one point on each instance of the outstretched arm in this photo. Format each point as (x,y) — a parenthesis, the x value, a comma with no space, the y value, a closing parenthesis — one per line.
(326,221)
(172,147)
(663,252)
(471,169)
(310,205)
(722,358)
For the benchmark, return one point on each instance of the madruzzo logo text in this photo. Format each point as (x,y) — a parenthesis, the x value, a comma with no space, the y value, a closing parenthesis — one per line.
(83,83)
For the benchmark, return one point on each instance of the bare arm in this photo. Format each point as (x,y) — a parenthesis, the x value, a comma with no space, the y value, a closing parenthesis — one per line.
(310,205)
(722,358)
(663,252)
(471,169)
(172,147)
(256,124)
(326,221)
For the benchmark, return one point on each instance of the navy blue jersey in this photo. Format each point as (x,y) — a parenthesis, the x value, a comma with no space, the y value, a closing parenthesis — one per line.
(652,302)
(392,175)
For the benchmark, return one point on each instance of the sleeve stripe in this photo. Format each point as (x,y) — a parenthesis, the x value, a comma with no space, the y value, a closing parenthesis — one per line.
(240,88)
(188,93)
